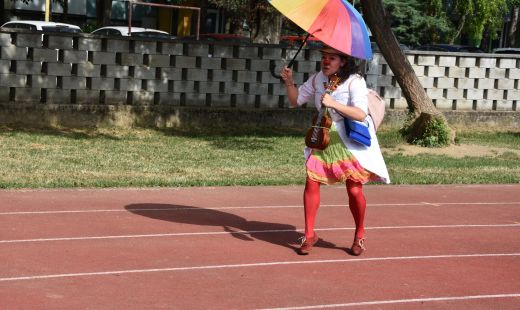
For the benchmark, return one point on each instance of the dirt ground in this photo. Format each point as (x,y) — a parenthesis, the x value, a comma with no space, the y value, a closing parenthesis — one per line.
(456,151)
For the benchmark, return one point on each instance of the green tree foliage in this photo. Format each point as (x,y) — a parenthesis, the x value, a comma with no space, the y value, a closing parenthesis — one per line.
(445,21)
(256,18)
(232,5)
(475,16)
(240,11)
(416,22)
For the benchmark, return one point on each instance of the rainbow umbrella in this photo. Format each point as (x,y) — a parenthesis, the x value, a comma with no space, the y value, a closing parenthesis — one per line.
(334,22)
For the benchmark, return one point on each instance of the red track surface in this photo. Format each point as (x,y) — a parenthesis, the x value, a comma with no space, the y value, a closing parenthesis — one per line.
(432,247)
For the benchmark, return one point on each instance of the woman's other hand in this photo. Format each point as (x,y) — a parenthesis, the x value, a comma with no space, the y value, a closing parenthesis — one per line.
(354,113)
(327,101)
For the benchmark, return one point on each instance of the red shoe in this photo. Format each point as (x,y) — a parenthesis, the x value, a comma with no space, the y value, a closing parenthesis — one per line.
(358,247)
(307,244)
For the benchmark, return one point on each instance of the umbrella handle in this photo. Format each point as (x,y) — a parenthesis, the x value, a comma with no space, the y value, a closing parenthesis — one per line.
(273,66)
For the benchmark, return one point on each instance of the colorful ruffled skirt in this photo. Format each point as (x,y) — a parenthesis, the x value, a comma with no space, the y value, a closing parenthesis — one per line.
(336,164)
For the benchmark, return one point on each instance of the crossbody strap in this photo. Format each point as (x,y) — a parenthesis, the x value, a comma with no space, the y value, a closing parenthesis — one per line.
(314,81)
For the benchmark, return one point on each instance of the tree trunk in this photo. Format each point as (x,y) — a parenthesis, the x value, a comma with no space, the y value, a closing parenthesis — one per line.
(203,4)
(2,12)
(234,25)
(267,27)
(462,22)
(418,101)
(103,12)
(65,11)
(513,28)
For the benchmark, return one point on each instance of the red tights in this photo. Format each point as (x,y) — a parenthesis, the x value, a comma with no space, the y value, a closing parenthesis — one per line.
(356,203)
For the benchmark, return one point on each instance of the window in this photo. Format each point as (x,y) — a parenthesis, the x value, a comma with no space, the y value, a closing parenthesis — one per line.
(20,26)
(60,29)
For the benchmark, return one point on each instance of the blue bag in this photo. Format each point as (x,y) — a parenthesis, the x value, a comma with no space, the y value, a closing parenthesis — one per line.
(357,131)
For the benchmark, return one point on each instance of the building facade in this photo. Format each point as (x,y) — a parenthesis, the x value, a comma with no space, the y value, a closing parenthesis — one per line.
(177,22)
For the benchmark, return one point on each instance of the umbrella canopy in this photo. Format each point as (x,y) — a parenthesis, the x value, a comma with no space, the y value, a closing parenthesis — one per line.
(335,22)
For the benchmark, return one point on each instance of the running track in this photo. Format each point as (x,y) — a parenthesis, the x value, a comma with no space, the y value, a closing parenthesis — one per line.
(429,247)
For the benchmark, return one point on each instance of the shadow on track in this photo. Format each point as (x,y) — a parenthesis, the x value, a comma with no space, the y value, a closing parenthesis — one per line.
(276,233)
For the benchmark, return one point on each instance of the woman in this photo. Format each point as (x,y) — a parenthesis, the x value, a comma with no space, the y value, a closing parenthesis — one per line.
(344,160)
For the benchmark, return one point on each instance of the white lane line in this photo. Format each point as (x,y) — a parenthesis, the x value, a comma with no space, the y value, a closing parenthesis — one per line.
(399,301)
(431,204)
(420,204)
(248,232)
(251,265)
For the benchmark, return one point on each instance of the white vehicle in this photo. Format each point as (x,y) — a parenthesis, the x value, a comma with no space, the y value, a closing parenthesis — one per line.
(38,25)
(122,31)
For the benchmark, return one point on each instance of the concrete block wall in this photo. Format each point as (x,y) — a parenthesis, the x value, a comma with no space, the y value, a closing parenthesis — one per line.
(454,81)
(87,70)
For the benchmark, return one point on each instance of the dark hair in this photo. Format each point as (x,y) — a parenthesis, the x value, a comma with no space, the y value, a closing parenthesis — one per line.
(352,66)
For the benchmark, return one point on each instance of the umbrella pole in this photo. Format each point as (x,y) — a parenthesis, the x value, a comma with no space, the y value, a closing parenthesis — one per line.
(273,66)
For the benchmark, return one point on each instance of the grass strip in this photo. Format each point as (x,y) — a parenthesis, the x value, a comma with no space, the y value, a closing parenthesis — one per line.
(149,158)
